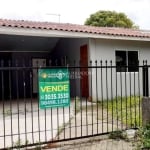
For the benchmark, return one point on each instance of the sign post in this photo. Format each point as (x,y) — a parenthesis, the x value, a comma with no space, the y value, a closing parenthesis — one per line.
(54,88)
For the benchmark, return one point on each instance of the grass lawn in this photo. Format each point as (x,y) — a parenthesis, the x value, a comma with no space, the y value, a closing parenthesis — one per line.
(125,109)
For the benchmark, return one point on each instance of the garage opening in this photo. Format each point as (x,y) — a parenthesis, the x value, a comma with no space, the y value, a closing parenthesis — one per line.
(21,56)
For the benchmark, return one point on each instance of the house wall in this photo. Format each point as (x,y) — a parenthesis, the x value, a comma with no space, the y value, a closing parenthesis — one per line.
(103,84)
(70,48)
(108,82)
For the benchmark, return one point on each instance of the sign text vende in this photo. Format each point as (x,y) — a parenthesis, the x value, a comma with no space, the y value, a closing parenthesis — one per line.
(54,88)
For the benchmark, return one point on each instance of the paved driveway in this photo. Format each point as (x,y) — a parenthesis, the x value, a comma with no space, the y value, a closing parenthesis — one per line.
(50,122)
(32,122)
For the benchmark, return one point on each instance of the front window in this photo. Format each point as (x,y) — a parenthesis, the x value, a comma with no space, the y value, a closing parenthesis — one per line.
(127,61)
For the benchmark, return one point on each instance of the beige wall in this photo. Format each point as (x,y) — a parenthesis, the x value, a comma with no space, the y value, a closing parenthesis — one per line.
(126,83)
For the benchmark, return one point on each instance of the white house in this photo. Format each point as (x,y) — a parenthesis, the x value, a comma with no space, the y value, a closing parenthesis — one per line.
(40,43)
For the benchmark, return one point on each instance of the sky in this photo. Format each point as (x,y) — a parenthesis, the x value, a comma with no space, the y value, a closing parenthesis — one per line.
(74,11)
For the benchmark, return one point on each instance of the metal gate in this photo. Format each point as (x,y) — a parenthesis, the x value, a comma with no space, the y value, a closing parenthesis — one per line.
(114,103)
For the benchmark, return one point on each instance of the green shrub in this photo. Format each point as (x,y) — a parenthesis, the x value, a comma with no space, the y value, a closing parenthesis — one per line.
(146,136)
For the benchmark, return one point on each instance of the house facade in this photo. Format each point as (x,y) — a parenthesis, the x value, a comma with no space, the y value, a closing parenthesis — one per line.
(43,44)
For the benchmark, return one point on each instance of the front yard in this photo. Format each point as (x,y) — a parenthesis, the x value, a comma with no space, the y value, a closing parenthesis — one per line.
(125,109)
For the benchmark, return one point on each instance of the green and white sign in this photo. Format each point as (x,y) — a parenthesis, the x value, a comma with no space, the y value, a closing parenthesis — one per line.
(54,88)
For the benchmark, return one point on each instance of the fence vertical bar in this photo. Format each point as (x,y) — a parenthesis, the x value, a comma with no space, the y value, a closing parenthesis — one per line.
(74,76)
(31,101)
(96,94)
(82,76)
(69,126)
(18,107)
(56,63)
(101,65)
(147,86)
(39,130)
(107,91)
(3,101)
(76,99)
(112,103)
(135,123)
(126,99)
(87,114)
(51,112)
(139,96)
(51,124)
(64,123)
(121,98)
(70,114)
(130,79)
(24,97)
(91,95)
(45,114)
(117,98)
(10,99)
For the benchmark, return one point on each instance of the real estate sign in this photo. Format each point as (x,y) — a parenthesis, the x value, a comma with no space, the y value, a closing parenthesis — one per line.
(54,88)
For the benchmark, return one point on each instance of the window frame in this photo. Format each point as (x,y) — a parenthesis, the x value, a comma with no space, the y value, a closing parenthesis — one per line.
(127,60)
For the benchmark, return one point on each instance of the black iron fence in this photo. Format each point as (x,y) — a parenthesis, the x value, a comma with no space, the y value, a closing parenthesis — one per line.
(104,98)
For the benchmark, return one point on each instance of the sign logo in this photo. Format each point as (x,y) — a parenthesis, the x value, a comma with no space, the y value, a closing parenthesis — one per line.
(44,75)
(60,75)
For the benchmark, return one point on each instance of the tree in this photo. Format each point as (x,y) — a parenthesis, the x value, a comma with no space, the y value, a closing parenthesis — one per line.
(109,19)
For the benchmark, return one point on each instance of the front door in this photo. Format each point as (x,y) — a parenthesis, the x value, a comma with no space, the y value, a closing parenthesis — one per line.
(84,83)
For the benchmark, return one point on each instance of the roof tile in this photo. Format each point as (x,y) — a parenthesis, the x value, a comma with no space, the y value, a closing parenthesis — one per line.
(75,28)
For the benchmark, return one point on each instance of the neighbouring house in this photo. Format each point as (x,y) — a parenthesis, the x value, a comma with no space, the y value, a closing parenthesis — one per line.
(33,44)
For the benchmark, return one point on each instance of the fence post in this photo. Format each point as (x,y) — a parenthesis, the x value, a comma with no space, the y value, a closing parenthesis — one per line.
(145,110)
(146,98)
(145,80)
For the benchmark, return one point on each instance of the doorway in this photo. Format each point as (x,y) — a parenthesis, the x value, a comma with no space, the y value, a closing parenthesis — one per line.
(84,81)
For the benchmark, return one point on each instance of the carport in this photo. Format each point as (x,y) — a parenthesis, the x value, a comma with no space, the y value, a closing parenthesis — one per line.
(31,44)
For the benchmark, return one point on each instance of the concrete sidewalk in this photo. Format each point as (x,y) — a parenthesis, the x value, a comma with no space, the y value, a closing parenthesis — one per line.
(93,143)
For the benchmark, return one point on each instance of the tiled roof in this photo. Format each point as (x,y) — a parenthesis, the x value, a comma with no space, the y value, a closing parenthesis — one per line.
(75,28)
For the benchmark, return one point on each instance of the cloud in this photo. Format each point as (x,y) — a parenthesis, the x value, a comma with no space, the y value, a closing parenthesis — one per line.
(74,11)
